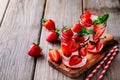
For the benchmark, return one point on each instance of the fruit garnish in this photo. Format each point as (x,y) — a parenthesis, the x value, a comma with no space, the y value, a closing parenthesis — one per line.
(66,32)
(69,47)
(54,55)
(76,27)
(98,47)
(101,19)
(53,36)
(90,45)
(86,22)
(48,24)
(99,29)
(83,51)
(74,60)
(85,31)
(34,50)
(87,14)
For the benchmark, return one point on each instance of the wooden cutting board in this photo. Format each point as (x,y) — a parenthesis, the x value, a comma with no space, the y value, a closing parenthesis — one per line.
(92,59)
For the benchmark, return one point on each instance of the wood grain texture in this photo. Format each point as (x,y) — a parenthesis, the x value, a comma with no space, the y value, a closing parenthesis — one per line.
(3,7)
(113,8)
(18,31)
(63,13)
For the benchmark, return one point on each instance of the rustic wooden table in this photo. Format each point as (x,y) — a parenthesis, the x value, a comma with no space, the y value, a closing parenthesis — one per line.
(20,26)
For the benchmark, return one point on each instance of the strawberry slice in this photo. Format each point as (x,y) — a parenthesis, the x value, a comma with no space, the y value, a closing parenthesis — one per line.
(90,46)
(74,60)
(83,51)
(54,55)
(99,45)
(70,46)
(86,22)
(99,29)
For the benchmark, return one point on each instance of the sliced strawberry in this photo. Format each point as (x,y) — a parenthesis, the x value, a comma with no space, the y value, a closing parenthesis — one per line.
(99,31)
(76,27)
(70,46)
(99,45)
(83,51)
(87,14)
(90,46)
(74,60)
(86,22)
(54,55)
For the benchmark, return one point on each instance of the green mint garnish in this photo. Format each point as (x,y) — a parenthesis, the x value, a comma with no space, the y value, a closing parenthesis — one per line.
(85,31)
(101,19)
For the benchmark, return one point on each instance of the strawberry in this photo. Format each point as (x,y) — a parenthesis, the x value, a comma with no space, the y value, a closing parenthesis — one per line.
(48,24)
(34,50)
(76,27)
(70,47)
(52,36)
(99,45)
(86,22)
(90,46)
(66,32)
(82,39)
(83,51)
(99,29)
(54,55)
(74,60)
(87,14)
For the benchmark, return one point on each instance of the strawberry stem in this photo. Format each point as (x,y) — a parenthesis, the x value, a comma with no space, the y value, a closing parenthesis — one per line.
(43,21)
(38,43)
(50,49)
(57,31)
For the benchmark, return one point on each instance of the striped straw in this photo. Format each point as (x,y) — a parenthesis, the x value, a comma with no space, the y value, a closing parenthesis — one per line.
(99,65)
(107,65)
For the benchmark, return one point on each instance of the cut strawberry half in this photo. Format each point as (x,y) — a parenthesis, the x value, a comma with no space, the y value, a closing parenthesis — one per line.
(83,51)
(99,29)
(74,60)
(99,46)
(54,55)
(86,22)
(87,14)
(90,46)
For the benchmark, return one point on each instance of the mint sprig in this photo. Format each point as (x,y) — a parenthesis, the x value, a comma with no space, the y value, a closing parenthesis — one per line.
(101,19)
(85,31)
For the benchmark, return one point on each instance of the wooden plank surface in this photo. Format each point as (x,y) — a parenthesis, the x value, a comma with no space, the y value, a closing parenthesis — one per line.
(63,13)
(3,7)
(113,8)
(19,29)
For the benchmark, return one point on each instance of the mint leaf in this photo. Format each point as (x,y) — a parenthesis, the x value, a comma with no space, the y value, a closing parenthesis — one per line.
(104,18)
(90,31)
(101,19)
(85,31)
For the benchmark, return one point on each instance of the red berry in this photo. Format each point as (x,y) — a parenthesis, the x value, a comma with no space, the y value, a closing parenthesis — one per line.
(86,22)
(83,51)
(54,55)
(99,29)
(49,24)
(74,60)
(86,15)
(52,36)
(66,32)
(76,27)
(34,50)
